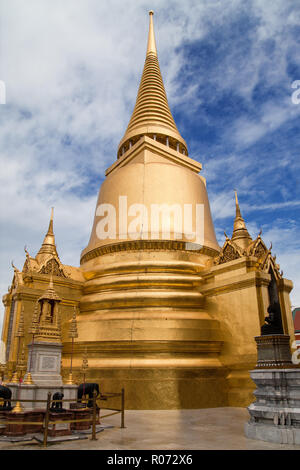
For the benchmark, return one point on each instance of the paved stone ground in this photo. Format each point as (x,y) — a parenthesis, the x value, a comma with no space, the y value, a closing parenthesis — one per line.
(204,429)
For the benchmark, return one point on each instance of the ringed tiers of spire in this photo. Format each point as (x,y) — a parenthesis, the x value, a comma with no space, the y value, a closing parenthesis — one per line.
(152,115)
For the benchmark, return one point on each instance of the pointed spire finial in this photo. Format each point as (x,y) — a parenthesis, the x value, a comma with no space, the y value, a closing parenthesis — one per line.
(50,228)
(49,246)
(240,233)
(151,48)
(237,207)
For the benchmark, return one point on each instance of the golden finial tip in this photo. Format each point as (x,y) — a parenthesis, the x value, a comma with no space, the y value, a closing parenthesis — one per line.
(151,12)
(236,197)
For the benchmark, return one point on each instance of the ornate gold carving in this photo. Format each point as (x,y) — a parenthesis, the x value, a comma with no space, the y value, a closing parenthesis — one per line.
(73,328)
(52,266)
(144,245)
(20,331)
(260,251)
(85,362)
(21,364)
(34,321)
(228,253)
(46,319)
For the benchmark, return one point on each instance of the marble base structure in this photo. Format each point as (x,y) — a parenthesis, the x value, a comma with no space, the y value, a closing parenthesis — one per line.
(44,364)
(40,392)
(275,415)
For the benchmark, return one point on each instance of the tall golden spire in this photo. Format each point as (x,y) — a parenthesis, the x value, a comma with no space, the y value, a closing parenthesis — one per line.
(152,115)
(48,247)
(240,234)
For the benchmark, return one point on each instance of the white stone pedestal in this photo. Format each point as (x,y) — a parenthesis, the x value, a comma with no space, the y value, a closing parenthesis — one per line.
(44,363)
(39,392)
(275,415)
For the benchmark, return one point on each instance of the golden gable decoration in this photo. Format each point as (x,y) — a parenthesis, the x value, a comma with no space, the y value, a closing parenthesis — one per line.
(54,267)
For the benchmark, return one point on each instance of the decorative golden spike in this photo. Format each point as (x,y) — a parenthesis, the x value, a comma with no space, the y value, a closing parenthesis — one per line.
(72,334)
(237,207)
(48,246)
(50,228)
(73,328)
(58,320)
(19,334)
(35,321)
(226,236)
(151,47)
(21,365)
(14,267)
(20,331)
(85,362)
(240,234)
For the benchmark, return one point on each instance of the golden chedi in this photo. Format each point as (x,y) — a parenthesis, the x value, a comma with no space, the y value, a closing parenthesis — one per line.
(164,311)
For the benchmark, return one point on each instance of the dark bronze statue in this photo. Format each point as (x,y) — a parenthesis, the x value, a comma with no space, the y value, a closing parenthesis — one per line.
(273,325)
(5,394)
(57,406)
(87,389)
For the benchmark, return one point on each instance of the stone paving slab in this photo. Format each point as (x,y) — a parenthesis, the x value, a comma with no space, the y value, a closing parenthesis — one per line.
(204,429)
(51,439)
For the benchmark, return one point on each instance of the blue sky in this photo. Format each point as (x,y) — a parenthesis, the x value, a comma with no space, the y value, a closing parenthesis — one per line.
(72,71)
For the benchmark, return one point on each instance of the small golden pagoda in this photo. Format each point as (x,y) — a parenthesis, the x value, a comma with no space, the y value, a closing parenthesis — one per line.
(169,317)
(48,327)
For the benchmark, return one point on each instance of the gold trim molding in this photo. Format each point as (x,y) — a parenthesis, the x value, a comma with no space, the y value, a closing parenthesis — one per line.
(144,245)
(125,347)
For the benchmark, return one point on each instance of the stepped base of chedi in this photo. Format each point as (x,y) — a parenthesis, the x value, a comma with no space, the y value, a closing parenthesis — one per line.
(162,309)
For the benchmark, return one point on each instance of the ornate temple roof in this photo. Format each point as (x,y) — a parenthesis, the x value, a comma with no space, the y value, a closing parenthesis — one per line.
(241,244)
(152,115)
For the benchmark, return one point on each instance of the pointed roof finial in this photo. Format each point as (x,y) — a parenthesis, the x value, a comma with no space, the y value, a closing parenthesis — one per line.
(50,228)
(48,246)
(240,233)
(151,48)
(237,207)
